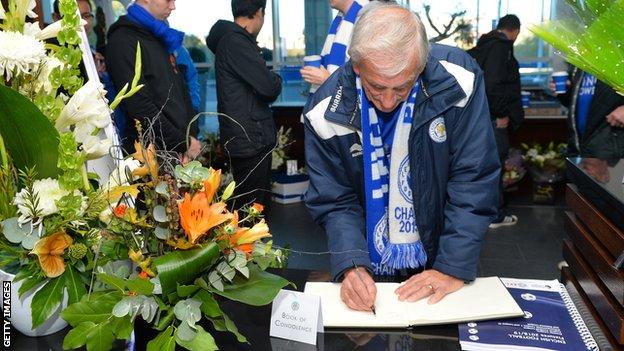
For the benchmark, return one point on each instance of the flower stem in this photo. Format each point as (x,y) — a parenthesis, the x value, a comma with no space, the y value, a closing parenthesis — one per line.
(85,178)
(3,153)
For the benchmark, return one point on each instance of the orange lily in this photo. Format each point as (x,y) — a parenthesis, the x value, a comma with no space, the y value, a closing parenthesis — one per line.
(147,158)
(212,184)
(50,251)
(198,217)
(256,208)
(244,238)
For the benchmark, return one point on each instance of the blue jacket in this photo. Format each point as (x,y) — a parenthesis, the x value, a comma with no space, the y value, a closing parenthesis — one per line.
(456,172)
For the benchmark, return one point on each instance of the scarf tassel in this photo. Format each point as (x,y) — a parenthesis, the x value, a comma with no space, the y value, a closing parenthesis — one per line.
(403,256)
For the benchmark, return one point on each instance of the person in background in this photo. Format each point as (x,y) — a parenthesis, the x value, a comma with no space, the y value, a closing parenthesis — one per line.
(595,117)
(100,30)
(402,161)
(336,46)
(245,88)
(187,67)
(501,72)
(164,102)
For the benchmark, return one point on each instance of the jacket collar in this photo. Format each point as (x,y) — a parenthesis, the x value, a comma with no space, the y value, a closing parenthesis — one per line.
(439,90)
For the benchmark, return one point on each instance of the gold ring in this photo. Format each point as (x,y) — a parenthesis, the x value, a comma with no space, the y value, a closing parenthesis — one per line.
(430,287)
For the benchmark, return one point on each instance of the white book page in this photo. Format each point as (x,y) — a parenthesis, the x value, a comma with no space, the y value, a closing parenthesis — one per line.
(390,313)
(485,298)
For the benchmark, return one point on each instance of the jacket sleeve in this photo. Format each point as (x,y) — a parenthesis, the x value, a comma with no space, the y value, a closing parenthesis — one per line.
(495,68)
(190,76)
(249,65)
(472,188)
(120,57)
(334,205)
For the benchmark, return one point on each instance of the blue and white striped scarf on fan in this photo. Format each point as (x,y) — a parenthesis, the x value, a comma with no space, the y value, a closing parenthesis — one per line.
(334,52)
(391,232)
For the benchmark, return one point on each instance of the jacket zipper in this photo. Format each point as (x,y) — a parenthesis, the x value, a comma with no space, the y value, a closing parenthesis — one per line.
(573,110)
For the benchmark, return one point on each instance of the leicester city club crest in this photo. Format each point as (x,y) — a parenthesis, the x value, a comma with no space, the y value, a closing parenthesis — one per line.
(381,234)
(405,180)
(437,130)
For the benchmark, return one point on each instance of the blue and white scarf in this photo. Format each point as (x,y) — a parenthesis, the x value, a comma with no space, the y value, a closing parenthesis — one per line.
(160,29)
(334,52)
(392,235)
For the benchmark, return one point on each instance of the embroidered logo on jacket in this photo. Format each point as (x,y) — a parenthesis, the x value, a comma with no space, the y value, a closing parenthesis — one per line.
(337,99)
(356,150)
(437,130)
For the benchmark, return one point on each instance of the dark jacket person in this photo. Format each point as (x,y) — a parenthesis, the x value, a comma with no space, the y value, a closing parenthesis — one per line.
(245,88)
(164,99)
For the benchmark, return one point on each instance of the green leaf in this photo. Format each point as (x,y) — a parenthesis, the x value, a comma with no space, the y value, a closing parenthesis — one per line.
(187,290)
(166,320)
(77,337)
(229,190)
(75,287)
(226,324)
(28,135)
(202,341)
(29,284)
(165,341)
(46,301)
(182,267)
(100,337)
(122,327)
(95,309)
(260,289)
(140,286)
(209,306)
(112,281)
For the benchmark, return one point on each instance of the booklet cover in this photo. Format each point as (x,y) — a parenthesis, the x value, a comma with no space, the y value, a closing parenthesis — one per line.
(550,322)
(471,302)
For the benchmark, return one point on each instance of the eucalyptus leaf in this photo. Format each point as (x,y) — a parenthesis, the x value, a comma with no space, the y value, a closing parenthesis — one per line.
(226,271)
(163,189)
(244,271)
(160,214)
(185,332)
(13,231)
(215,280)
(162,233)
(188,311)
(122,308)
(149,309)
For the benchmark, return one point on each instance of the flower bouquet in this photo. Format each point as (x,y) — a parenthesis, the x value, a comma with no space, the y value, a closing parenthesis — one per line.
(546,166)
(279,152)
(514,168)
(49,129)
(189,250)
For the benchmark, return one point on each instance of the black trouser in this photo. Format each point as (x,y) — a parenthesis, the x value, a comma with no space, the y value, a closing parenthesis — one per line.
(253,180)
(502,144)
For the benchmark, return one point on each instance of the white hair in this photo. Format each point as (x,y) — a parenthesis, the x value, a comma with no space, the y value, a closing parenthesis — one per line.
(389,37)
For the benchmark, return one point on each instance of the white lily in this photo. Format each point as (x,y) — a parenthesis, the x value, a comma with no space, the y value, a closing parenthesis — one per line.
(2,13)
(31,6)
(88,105)
(92,145)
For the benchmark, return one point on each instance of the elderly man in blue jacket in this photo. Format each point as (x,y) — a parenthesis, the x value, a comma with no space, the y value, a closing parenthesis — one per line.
(402,161)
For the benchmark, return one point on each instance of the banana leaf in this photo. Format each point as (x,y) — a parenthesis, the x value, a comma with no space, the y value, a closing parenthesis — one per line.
(29,137)
(184,266)
(594,44)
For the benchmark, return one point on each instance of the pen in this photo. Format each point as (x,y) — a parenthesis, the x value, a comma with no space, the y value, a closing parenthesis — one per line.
(357,271)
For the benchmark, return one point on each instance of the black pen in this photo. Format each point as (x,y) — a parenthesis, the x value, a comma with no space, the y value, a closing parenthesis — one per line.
(357,271)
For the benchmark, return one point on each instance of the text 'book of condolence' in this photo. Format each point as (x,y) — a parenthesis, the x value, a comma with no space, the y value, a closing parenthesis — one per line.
(485,298)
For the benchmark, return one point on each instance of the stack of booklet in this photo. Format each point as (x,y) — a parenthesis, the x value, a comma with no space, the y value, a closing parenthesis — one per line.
(550,322)
(485,298)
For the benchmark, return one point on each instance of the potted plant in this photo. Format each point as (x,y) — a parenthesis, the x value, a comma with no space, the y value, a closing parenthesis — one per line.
(546,165)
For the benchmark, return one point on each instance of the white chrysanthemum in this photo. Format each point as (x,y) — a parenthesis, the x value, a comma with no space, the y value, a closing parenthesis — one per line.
(48,191)
(88,105)
(19,54)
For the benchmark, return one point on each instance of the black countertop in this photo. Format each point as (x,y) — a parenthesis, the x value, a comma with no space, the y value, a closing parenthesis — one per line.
(600,181)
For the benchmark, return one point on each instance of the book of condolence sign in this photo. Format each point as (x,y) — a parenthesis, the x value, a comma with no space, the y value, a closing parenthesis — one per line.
(296,316)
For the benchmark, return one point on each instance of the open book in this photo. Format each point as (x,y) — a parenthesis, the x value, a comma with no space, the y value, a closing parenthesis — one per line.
(485,298)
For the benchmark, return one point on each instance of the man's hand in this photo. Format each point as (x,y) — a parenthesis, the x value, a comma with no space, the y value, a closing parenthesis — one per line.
(616,117)
(553,87)
(358,293)
(314,75)
(430,283)
(502,122)
(193,151)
